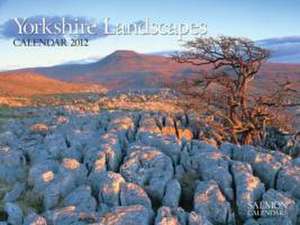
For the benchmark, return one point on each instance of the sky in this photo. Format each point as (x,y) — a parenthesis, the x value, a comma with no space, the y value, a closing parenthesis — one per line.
(254,19)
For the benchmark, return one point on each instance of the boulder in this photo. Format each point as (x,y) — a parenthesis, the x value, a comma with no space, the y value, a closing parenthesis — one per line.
(265,165)
(215,166)
(55,145)
(51,196)
(150,169)
(248,188)
(12,165)
(133,194)
(168,145)
(42,174)
(172,194)
(167,216)
(288,180)
(197,219)
(14,212)
(123,126)
(110,145)
(147,126)
(82,198)
(192,153)
(245,153)
(39,128)
(228,149)
(34,219)
(95,160)
(279,205)
(110,188)
(71,174)
(133,215)
(15,193)
(210,202)
(65,216)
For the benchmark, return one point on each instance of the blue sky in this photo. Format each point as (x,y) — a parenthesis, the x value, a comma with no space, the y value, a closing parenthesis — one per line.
(254,19)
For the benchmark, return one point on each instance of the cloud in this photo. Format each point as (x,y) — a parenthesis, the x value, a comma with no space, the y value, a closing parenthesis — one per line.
(283,49)
(10,29)
(281,40)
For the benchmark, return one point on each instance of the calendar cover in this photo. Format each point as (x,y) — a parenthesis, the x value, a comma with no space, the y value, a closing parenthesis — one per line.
(149,112)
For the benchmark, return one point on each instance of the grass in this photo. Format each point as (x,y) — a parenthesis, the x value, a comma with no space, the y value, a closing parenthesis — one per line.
(69,96)
(30,200)
(6,113)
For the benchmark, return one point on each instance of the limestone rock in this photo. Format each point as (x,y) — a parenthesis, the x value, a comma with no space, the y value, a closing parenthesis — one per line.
(15,193)
(249,189)
(34,219)
(172,194)
(133,194)
(210,202)
(167,216)
(150,169)
(42,174)
(197,219)
(282,205)
(14,212)
(110,188)
(110,145)
(288,180)
(66,216)
(39,128)
(82,199)
(12,165)
(133,215)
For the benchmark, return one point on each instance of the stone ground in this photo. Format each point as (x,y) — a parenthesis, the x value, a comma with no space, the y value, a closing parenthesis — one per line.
(124,167)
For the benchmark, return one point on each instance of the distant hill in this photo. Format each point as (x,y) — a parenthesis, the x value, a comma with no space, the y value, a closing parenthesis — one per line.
(26,84)
(124,70)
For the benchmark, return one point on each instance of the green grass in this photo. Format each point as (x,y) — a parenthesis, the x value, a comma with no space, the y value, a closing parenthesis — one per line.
(6,113)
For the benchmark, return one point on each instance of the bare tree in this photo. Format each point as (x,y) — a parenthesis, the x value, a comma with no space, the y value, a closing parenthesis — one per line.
(238,114)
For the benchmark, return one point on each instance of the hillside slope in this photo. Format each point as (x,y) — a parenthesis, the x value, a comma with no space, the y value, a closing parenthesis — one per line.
(128,69)
(123,70)
(27,84)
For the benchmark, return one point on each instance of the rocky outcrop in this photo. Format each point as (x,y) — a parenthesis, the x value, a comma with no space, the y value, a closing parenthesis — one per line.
(248,188)
(12,165)
(172,194)
(211,203)
(282,205)
(120,168)
(151,169)
(133,215)
(110,188)
(82,199)
(14,213)
(133,194)
(34,219)
(288,180)
(265,165)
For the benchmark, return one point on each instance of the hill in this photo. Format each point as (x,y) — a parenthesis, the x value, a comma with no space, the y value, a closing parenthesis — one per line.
(128,69)
(124,70)
(27,84)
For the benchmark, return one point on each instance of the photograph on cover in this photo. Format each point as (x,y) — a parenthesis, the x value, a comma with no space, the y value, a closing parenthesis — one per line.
(162,112)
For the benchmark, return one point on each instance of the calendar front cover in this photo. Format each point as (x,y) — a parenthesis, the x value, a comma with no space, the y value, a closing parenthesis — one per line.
(149,112)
